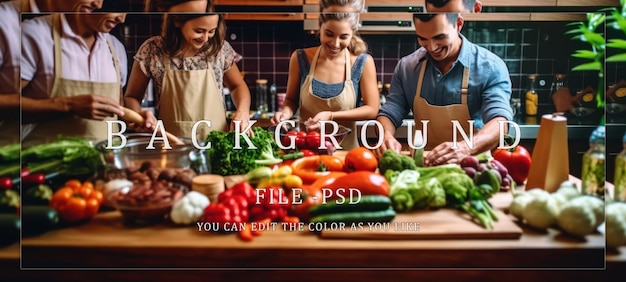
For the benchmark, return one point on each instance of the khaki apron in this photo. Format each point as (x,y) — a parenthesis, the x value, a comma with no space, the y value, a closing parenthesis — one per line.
(440,117)
(310,104)
(188,96)
(10,128)
(93,130)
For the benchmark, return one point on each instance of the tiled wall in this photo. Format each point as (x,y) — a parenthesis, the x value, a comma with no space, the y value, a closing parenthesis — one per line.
(526,47)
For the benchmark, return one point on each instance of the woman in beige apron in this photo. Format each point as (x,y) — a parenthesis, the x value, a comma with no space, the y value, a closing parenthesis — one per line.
(189,76)
(341,106)
(310,104)
(440,128)
(189,96)
(93,130)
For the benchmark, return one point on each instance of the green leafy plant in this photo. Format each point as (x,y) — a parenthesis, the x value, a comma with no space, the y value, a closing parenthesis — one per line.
(617,20)
(588,32)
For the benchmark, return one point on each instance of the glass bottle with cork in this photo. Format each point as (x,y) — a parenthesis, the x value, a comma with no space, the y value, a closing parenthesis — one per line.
(593,175)
(620,174)
(531,98)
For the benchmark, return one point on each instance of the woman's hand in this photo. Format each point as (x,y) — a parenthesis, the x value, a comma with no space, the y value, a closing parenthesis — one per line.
(314,122)
(280,116)
(148,124)
(244,117)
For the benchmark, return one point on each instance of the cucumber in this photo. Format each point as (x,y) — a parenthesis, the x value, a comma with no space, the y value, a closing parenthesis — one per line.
(362,216)
(9,228)
(367,203)
(37,220)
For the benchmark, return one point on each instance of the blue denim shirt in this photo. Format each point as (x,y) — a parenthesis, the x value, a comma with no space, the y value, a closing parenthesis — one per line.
(489,85)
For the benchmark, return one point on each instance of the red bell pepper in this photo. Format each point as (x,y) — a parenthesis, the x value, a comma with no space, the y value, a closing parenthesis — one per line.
(272,203)
(217,212)
(517,160)
(238,206)
(245,189)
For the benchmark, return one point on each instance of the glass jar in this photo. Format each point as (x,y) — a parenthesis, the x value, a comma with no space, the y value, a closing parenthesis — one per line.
(261,95)
(593,175)
(531,97)
(620,174)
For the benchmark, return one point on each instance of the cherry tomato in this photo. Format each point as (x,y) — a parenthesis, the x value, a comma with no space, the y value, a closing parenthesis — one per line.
(287,137)
(313,140)
(73,210)
(301,140)
(73,183)
(360,159)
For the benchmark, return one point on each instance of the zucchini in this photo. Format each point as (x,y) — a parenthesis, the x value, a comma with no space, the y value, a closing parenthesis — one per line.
(366,203)
(352,217)
(37,220)
(10,225)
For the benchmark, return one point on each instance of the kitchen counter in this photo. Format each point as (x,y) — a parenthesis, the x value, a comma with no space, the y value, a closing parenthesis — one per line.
(105,242)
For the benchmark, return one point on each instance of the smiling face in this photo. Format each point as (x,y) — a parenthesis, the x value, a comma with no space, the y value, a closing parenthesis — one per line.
(335,36)
(196,32)
(83,6)
(103,22)
(440,37)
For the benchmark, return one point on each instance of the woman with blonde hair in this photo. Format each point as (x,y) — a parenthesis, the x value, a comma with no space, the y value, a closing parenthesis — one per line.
(327,82)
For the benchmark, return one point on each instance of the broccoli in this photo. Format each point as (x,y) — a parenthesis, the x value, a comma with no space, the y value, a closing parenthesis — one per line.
(395,161)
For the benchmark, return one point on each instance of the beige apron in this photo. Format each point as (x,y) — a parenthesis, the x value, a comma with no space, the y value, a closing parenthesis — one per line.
(188,96)
(440,117)
(310,104)
(10,128)
(93,130)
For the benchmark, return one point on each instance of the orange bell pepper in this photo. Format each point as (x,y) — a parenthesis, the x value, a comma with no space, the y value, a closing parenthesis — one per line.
(311,168)
(76,201)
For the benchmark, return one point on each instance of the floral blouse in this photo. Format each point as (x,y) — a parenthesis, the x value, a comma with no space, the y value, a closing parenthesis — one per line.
(150,57)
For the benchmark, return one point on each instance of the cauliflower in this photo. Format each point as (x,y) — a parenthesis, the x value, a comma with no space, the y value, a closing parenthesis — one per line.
(615,224)
(568,190)
(541,211)
(189,208)
(519,202)
(581,216)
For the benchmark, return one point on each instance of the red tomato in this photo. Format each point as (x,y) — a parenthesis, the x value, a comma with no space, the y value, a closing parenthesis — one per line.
(360,159)
(301,140)
(369,183)
(287,137)
(313,140)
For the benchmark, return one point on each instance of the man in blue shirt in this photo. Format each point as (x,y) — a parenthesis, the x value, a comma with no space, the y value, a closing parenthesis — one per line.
(448,79)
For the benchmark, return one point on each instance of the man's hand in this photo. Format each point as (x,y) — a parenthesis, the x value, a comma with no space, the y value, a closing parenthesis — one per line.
(389,143)
(91,106)
(445,154)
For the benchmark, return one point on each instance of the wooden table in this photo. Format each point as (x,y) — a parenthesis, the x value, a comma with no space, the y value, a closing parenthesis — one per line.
(104,242)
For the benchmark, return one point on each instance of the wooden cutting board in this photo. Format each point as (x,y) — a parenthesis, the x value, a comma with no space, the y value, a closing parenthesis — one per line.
(441,224)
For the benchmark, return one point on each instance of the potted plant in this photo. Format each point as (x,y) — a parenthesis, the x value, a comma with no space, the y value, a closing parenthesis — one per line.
(588,32)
